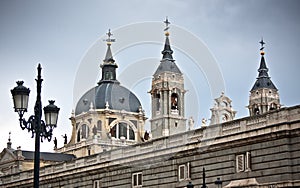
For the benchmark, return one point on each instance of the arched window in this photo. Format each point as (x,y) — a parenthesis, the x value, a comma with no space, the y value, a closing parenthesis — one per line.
(108,75)
(174,101)
(84,131)
(99,125)
(157,101)
(131,134)
(78,136)
(256,110)
(122,130)
(273,106)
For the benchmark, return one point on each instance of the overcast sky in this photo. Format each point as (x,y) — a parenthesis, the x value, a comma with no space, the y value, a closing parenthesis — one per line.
(59,34)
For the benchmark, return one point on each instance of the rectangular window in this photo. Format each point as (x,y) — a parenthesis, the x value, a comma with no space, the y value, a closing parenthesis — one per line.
(240,163)
(97,184)
(123,130)
(137,179)
(248,161)
(243,162)
(181,172)
(184,171)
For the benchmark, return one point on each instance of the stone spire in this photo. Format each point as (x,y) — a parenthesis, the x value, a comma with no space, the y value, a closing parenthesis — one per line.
(167,63)
(167,51)
(109,66)
(264,96)
(108,57)
(263,79)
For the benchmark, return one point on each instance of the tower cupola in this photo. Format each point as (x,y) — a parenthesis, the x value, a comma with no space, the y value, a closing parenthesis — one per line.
(109,66)
(167,94)
(264,95)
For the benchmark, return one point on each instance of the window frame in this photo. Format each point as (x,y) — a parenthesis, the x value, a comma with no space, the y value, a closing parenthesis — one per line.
(186,171)
(96,184)
(240,163)
(137,179)
(123,127)
(180,167)
(243,162)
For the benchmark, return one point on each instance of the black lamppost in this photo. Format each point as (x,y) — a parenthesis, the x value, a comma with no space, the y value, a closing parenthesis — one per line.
(35,124)
(218,182)
(203,179)
(190,185)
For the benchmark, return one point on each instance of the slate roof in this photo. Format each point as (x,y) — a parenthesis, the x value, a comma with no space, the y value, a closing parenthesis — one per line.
(118,98)
(167,66)
(47,156)
(167,63)
(263,80)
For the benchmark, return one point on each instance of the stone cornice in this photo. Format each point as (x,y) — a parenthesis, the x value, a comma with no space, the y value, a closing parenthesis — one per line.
(282,122)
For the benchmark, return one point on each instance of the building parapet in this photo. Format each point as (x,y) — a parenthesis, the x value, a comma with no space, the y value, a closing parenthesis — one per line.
(284,119)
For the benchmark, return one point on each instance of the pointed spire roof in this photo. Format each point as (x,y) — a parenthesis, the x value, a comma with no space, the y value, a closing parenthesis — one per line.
(109,66)
(167,63)
(167,51)
(263,80)
(108,57)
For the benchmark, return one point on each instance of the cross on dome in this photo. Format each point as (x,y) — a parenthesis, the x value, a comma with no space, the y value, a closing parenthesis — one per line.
(167,25)
(262,43)
(109,40)
(9,136)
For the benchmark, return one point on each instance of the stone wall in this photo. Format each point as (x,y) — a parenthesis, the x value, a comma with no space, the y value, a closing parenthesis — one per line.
(272,141)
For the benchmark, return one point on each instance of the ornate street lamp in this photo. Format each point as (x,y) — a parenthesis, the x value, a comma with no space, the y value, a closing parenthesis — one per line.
(218,182)
(35,124)
(190,185)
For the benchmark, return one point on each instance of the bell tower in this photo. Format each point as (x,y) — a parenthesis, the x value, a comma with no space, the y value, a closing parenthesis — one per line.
(167,95)
(264,95)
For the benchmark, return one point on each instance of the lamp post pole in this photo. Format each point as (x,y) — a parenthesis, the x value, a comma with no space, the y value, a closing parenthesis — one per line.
(35,124)
(203,179)
(38,117)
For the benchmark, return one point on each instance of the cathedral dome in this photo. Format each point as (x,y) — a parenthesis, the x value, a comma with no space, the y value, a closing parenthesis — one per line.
(112,94)
(108,94)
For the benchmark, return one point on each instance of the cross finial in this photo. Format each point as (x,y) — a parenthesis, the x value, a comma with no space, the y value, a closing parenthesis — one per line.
(9,136)
(167,24)
(109,40)
(262,47)
(262,44)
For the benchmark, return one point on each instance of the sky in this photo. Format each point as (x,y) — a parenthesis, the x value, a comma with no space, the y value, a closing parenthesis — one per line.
(60,34)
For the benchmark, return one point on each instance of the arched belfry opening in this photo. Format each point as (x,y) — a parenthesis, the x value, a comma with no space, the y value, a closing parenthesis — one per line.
(174,101)
(157,99)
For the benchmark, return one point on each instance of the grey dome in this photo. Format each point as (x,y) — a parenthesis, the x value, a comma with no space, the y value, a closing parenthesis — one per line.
(118,98)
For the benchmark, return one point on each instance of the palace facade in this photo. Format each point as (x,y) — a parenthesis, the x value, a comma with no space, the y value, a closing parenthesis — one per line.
(110,148)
